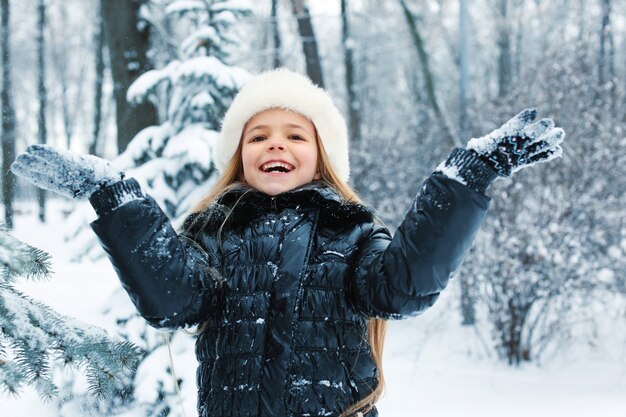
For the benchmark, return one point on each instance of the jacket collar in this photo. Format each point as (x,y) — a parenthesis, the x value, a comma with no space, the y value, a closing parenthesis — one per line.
(244,204)
(315,191)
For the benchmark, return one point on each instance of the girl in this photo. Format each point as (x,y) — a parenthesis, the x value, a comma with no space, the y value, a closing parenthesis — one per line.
(291,277)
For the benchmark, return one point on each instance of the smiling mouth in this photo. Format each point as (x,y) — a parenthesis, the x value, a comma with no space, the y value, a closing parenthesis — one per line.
(278,167)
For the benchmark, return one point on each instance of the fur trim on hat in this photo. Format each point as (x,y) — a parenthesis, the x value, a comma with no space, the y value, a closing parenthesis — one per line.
(282,88)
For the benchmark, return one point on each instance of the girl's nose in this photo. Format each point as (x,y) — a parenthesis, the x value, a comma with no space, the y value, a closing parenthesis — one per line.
(275,144)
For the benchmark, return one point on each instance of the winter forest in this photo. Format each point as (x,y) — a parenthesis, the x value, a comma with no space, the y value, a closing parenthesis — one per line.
(534,322)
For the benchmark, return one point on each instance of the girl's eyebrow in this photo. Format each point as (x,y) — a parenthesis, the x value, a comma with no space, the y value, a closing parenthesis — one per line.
(257,127)
(262,127)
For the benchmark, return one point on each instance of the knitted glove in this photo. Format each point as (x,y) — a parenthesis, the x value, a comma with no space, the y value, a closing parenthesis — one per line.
(67,173)
(519,143)
(515,145)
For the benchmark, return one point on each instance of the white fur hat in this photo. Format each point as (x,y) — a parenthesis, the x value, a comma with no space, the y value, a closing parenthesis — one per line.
(282,88)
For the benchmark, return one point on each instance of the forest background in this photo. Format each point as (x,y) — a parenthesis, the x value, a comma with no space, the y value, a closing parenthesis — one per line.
(123,79)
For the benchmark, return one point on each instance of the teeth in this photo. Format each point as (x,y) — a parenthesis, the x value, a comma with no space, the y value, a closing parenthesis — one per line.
(270,165)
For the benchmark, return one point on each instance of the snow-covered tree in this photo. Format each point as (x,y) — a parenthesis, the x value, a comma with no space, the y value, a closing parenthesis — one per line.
(35,340)
(173,161)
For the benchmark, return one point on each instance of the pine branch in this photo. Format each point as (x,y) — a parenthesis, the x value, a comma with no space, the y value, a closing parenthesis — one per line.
(38,337)
(20,259)
(11,377)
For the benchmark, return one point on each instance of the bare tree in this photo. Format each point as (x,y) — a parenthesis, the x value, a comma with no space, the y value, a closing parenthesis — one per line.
(505,61)
(604,34)
(348,49)
(520,28)
(128,42)
(309,42)
(41,88)
(428,75)
(64,70)
(275,35)
(606,70)
(99,67)
(8,118)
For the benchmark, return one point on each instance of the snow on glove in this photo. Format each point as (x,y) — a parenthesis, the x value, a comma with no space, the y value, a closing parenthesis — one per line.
(73,175)
(519,143)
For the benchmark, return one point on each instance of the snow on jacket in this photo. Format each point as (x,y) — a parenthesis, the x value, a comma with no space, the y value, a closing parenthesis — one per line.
(287,287)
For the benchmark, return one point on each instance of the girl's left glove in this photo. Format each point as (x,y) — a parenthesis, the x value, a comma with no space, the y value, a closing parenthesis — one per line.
(73,175)
(519,143)
(515,145)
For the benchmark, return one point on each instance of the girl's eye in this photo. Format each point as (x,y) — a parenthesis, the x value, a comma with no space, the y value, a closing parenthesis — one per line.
(257,139)
(296,137)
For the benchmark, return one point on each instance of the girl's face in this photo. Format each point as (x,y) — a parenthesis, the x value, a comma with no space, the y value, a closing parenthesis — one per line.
(279,151)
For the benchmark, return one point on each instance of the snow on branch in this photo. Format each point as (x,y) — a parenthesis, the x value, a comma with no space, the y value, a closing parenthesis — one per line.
(18,258)
(241,6)
(34,338)
(146,83)
(185,6)
(204,36)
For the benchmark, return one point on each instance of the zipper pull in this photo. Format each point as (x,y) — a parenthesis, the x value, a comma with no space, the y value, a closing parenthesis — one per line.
(274,207)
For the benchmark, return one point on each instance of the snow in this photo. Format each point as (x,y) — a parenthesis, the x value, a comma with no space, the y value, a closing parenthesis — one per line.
(451,171)
(520,125)
(431,363)
(332,252)
(229,5)
(182,6)
(124,198)
(207,34)
(487,144)
(197,67)
(148,81)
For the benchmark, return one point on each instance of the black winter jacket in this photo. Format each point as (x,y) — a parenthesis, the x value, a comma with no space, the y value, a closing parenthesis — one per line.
(287,287)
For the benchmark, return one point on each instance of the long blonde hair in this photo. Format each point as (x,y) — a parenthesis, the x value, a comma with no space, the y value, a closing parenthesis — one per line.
(232,176)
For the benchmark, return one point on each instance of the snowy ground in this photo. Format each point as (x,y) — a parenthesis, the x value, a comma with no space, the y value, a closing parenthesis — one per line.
(432,366)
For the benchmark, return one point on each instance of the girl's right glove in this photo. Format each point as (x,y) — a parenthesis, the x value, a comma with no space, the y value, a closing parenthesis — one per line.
(70,174)
(519,143)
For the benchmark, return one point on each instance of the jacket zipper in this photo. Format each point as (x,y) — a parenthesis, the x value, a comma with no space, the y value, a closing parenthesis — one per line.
(274,207)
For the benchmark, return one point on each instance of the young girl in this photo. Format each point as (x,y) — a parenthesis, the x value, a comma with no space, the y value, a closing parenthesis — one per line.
(290,276)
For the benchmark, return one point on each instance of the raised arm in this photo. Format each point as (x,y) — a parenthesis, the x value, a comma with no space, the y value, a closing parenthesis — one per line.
(403,276)
(171,278)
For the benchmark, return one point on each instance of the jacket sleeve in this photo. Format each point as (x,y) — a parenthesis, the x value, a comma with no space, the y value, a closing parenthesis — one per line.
(170,278)
(402,276)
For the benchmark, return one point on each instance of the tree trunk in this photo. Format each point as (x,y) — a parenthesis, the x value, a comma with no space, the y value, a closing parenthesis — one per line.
(128,41)
(348,48)
(464,56)
(428,77)
(276,35)
(504,48)
(61,64)
(8,119)
(606,68)
(604,30)
(517,56)
(611,72)
(309,42)
(518,314)
(99,66)
(581,20)
(468,312)
(41,87)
